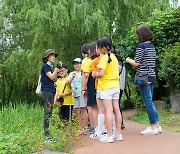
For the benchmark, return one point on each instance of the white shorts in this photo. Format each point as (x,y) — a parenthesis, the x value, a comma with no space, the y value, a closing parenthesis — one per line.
(79,102)
(112,93)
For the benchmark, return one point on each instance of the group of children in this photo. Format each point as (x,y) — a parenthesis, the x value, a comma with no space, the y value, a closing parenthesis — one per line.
(95,88)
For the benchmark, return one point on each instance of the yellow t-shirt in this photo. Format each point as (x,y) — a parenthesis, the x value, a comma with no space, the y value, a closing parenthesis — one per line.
(68,100)
(86,65)
(110,79)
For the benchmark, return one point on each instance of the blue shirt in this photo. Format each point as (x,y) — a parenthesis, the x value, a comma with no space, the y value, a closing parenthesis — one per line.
(46,83)
(76,84)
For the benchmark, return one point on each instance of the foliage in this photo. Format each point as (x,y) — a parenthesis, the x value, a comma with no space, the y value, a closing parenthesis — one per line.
(21,130)
(19,76)
(168,120)
(171,65)
(164,25)
(29,27)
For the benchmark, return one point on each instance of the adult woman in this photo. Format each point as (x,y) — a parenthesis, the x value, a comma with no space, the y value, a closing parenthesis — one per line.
(48,88)
(145,60)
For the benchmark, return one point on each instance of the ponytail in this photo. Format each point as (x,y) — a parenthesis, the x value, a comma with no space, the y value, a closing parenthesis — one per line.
(109,58)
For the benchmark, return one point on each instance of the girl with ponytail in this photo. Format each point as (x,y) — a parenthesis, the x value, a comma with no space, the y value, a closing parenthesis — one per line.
(108,88)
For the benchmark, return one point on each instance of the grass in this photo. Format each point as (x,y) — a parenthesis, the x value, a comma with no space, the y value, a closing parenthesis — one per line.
(168,120)
(21,130)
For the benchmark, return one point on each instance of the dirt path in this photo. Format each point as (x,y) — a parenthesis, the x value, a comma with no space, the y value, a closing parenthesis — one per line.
(133,143)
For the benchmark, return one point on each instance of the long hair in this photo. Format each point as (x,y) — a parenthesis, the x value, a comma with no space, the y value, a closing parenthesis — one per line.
(92,50)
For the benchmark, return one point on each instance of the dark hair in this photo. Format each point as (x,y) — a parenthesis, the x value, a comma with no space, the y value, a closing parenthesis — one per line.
(45,60)
(92,50)
(85,48)
(107,43)
(119,58)
(144,34)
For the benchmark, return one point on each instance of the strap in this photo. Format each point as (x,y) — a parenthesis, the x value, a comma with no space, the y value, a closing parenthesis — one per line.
(64,88)
(121,68)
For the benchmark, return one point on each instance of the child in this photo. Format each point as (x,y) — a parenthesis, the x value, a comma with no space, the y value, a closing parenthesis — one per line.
(75,78)
(99,132)
(108,86)
(65,111)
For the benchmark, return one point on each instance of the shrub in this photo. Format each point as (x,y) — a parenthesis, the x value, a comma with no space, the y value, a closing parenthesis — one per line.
(170,66)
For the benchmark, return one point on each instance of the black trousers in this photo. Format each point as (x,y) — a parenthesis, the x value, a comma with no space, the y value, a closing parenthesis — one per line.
(47,99)
(65,112)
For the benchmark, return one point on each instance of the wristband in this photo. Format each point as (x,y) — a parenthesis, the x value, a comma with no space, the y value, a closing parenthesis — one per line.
(83,90)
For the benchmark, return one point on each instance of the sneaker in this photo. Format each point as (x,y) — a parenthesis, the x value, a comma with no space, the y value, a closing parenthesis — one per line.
(85,131)
(117,137)
(91,130)
(159,129)
(107,139)
(105,131)
(96,136)
(48,139)
(149,131)
(123,127)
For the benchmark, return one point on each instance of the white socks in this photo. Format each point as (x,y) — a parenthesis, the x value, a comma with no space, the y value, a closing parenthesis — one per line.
(101,126)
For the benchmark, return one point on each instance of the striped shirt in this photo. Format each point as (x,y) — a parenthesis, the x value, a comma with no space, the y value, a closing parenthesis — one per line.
(146,56)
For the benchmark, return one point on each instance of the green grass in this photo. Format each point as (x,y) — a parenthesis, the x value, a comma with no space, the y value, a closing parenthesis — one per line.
(168,120)
(21,130)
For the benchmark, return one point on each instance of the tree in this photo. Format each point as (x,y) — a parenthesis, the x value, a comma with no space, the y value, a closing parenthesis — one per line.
(64,25)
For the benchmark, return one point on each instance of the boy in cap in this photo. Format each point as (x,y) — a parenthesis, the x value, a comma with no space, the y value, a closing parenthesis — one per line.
(63,90)
(48,88)
(75,79)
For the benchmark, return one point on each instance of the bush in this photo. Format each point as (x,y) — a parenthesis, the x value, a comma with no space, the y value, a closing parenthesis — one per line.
(170,66)
(21,130)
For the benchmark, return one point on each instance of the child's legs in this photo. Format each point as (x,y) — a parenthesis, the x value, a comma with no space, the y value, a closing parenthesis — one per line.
(78,112)
(95,114)
(108,115)
(66,112)
(84,116)
(117,115)
(100,105)
(90,115)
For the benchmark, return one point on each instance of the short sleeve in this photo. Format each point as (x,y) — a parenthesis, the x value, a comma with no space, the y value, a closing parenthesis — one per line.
(103,62)
(70,75)
(46,68)
(86,65)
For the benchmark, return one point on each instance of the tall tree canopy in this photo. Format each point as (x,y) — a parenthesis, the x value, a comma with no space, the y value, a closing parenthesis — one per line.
(29,27)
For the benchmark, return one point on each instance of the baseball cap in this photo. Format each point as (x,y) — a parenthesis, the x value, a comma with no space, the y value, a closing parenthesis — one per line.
(78,60)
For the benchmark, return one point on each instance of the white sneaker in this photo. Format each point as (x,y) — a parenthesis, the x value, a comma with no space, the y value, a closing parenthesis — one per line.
(107,139)
(96,136)
(149,131)
(117,137)
(160,129)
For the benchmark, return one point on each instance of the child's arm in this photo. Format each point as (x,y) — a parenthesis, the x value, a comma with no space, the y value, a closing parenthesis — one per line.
(56,97)
(66,94)
(68,81)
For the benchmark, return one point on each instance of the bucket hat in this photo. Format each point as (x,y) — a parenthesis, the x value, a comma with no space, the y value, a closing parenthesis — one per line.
(48,53)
